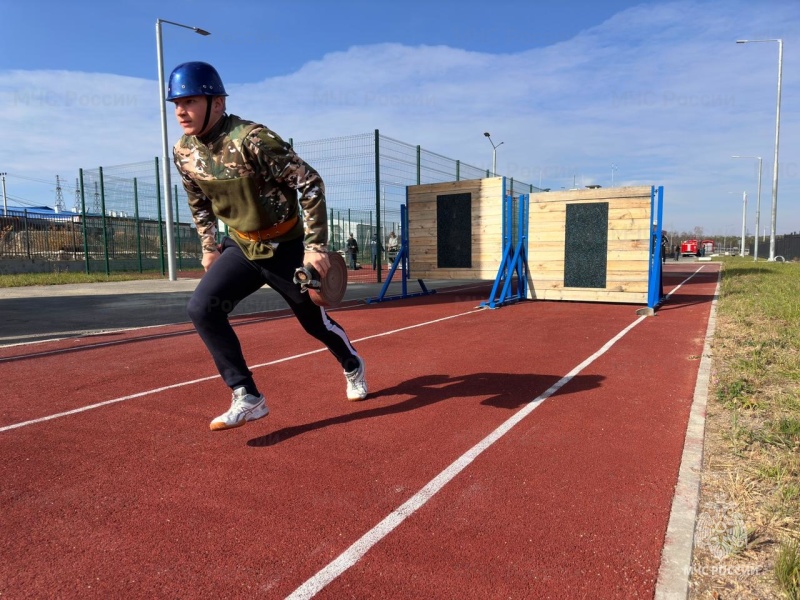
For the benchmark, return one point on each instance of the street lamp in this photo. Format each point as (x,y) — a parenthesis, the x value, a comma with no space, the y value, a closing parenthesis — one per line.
(758,204)
(5,202)
(165,162)
(744,221)
(613,168)
(494,152)
(777,140)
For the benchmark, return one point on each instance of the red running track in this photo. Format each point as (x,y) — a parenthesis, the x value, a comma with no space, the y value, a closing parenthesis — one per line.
(113,487)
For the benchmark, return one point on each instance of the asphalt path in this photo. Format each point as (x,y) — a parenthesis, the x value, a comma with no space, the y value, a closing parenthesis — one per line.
(39,313)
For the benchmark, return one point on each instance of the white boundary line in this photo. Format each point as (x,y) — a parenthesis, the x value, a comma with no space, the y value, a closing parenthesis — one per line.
(202,379)
(354,553)
(676,557)
(357,550)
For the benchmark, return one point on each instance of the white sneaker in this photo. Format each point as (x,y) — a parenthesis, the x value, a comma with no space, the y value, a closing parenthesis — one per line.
(244,407)
(357,381)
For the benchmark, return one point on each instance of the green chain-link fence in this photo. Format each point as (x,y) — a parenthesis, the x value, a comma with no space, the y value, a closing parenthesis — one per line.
(117,221)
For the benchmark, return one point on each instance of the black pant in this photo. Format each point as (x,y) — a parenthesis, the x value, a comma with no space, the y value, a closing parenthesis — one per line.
(232,278)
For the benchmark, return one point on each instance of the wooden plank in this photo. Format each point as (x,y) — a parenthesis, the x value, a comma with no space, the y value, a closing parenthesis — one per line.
(588,296)
(556,275)
(537,255)
(627,214)
(596,195)
(623,285)
(434,273)
(558,235)
(448,187)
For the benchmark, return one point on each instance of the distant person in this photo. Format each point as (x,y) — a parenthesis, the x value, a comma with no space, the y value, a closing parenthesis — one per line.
(677,252)
(273,203)
(392,246)
(352,251)
(375,247)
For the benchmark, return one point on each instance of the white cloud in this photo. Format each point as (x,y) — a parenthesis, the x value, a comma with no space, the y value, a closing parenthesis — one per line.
(662,91)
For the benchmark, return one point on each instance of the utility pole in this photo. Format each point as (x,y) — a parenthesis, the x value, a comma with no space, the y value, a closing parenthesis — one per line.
(76,207)
(59,205)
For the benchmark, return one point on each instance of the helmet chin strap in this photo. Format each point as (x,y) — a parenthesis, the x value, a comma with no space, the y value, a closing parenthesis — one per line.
(209,100)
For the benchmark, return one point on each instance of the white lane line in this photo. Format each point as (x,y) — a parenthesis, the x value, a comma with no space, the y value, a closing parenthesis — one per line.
(202,379)
(353,554)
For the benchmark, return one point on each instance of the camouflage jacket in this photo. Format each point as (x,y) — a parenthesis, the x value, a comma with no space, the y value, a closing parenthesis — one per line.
(245,175)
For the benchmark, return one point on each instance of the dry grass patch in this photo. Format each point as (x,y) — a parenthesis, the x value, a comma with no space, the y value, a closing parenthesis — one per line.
(750,490)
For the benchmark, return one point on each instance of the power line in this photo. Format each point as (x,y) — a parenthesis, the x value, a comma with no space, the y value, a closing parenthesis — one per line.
(29,178)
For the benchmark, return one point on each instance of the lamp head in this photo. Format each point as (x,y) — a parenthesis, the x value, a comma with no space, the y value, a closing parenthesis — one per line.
(486,133)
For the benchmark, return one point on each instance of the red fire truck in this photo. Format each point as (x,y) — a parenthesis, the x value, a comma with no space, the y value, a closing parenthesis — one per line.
(690,248)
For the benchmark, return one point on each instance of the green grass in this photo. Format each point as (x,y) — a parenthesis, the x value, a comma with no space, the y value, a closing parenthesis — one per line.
(63,277)
(787,569)
(757,381)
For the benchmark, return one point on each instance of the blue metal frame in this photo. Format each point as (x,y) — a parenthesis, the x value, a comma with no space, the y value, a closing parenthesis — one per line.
(515,259)
(401,259)
(655,288)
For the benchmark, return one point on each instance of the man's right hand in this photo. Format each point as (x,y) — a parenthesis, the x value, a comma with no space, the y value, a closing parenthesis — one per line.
(209,258)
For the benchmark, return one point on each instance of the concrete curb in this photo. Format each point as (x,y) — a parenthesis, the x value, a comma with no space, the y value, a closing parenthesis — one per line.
(676,556)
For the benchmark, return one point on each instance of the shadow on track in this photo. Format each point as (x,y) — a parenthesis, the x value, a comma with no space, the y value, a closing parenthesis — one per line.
(504,390)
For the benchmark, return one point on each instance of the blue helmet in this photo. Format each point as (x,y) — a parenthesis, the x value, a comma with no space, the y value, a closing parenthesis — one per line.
(194,79)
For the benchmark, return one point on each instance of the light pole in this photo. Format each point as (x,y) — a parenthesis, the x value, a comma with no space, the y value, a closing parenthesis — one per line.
(777,140)
(165,162)
(5,202)
(744,223)
(758,205)
(613,168)
(494,152)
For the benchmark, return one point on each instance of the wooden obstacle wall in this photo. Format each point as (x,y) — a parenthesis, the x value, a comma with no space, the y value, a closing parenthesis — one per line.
(583,245)
(443,216)
(556,251)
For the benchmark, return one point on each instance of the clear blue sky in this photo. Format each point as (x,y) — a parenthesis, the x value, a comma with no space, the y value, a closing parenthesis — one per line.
(118,37)
(659,89)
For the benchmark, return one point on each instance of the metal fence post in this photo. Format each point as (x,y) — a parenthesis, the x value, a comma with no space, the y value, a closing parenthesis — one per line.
(83,219)
(138,223)
(103,221)
(419,164)
(177,230)
(160,225)
(332,240)
(27,233)
(377,205)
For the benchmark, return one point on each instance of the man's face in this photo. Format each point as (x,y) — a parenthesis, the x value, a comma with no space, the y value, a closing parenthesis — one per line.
(191,112)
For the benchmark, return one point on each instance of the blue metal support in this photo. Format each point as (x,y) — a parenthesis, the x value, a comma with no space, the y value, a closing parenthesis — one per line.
(515,257)
(401,260)
(655,287)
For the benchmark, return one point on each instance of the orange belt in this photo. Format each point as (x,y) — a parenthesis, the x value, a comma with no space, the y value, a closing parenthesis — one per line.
(264,235)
